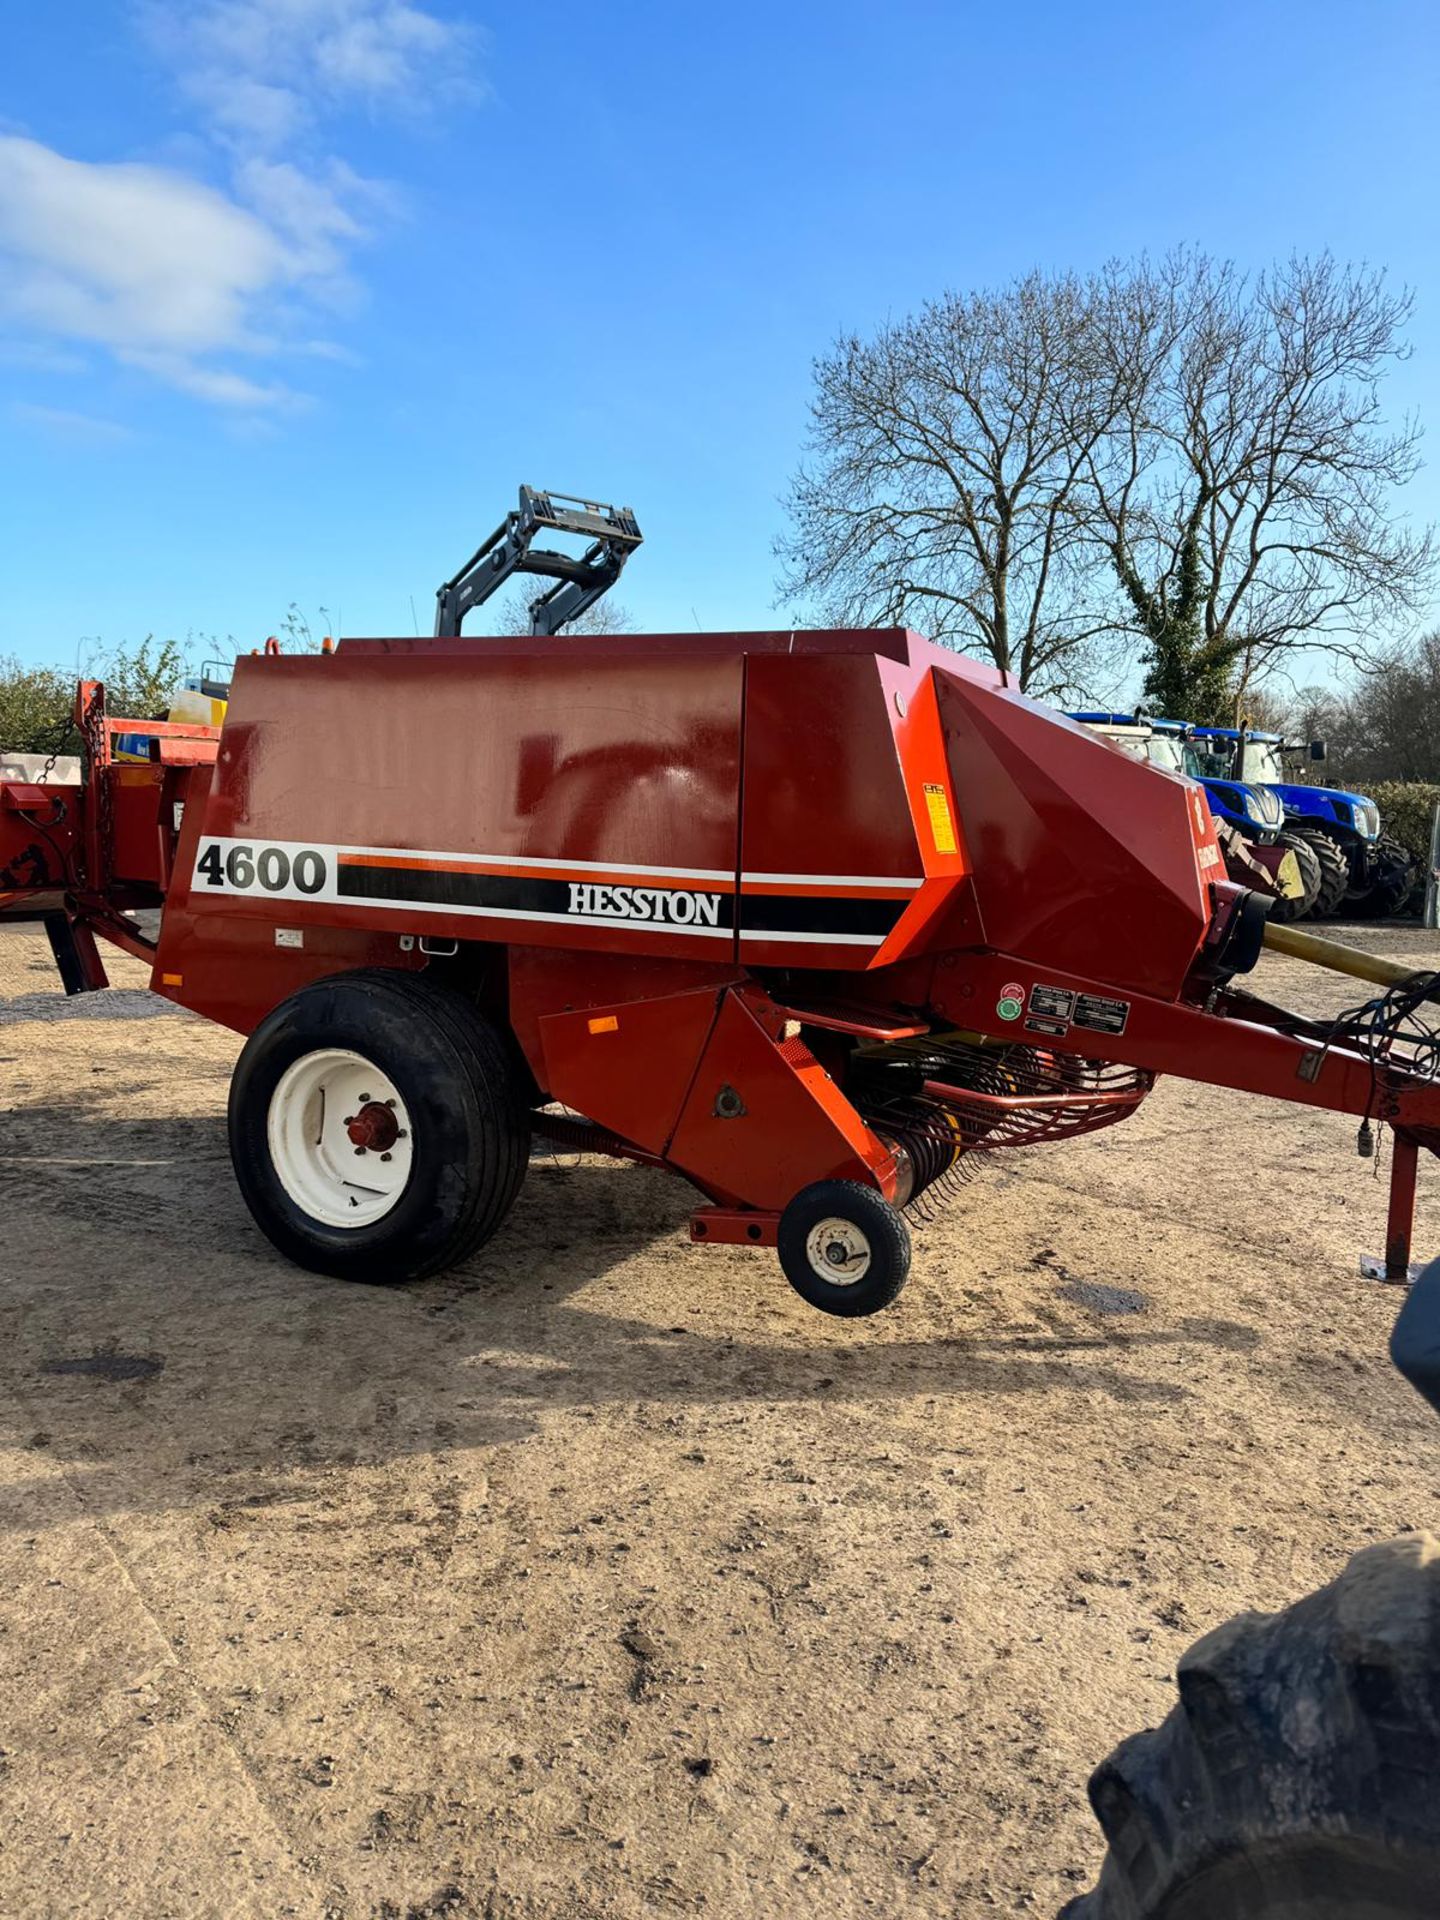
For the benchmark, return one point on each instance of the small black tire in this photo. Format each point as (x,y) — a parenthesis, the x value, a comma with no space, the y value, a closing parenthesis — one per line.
(868,1236)
(1334,868)
(1284,909)
(467,1135)
(1296,1778)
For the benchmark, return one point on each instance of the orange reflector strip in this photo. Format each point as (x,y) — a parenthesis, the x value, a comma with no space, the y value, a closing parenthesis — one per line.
(172,979)
(607,1023)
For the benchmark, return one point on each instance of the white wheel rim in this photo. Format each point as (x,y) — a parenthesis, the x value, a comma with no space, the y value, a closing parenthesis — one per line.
(329,1129)
(838,1251)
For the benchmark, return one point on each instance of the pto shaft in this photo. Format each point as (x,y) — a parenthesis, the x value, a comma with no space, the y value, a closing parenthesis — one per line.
(1339,959)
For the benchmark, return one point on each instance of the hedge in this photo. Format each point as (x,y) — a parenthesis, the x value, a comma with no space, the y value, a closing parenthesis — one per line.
(1407,808)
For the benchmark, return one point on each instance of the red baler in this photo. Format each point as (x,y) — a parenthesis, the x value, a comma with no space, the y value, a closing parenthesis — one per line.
(808,918)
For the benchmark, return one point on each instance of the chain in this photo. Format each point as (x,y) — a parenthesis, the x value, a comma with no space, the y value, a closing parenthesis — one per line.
(62,734)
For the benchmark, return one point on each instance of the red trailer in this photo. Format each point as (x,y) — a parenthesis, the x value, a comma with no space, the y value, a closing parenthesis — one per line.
(808,918)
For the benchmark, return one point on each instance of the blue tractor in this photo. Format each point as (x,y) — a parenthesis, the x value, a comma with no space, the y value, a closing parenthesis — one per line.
(1363,871)
(1254,814)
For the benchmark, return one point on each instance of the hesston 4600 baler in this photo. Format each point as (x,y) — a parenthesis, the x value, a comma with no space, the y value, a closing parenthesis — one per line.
(807,918)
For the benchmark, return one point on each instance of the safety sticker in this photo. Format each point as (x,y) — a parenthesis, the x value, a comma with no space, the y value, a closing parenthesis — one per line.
(942,824)
(1054,1003)
(1011,1003)
(1057,1029)
(1093,1010)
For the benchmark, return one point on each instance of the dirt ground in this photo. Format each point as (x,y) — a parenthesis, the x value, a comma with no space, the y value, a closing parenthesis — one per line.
(606,1578)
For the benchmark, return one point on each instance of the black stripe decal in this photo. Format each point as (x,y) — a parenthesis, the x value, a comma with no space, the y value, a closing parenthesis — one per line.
(776,914)
(520,893)
(782,913)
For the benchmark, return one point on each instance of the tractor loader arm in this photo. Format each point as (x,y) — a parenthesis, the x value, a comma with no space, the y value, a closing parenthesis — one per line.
(579,582)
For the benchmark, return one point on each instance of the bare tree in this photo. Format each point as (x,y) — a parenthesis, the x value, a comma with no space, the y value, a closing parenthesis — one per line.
(512,611)
(1245,496)
(948,475)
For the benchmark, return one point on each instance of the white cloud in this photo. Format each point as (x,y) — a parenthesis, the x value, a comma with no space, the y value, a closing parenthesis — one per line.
(172,275)
(150,263)
(219,385)
(266,70)
(60,423)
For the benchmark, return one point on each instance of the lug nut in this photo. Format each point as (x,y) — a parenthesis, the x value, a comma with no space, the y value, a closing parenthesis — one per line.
(359,1150)
(387,1156)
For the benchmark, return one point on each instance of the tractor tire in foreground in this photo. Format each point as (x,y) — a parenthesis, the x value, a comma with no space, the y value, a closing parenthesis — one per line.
(1298,909)
(1299,1777)
(375,1127)
(1333,864)
(1392,882)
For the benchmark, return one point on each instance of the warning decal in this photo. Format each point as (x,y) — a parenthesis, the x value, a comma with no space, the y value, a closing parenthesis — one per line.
(942,824)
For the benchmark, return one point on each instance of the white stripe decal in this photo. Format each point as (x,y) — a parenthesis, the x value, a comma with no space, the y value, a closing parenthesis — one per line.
(774,939)
(828,880)
(502,860)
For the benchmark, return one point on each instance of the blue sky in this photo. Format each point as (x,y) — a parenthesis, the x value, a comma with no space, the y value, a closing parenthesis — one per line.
(294,292)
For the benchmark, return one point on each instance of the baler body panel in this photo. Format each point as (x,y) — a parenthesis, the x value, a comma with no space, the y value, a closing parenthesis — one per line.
(590,801)
(1083,855)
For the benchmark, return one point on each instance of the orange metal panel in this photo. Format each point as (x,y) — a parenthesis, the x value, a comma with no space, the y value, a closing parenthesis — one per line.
(764,1119)
(630,1067)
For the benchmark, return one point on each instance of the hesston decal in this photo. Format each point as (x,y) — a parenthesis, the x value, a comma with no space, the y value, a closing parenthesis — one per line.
(836,909)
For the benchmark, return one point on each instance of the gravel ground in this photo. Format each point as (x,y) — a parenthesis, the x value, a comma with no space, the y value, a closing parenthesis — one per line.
(603,1577)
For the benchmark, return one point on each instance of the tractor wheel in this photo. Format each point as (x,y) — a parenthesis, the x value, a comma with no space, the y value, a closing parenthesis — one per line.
(1393,876)
(1309,865)
(375,1127)
(1334,864)
(1296,1778)
(844,1248)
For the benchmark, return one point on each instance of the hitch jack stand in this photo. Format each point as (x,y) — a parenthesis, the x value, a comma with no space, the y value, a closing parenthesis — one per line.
(1395,1268)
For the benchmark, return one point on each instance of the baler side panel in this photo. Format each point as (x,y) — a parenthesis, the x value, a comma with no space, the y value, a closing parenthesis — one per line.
(1082,855)
(229,966)
(829,855)
(763,1119)
(542,981)
(566,798)
(629,1066)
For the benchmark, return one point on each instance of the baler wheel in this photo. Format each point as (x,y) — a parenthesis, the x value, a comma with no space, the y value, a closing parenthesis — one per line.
(1334,868)
(1296,1778)
(376,1129)
(1304,852)
(844,1248)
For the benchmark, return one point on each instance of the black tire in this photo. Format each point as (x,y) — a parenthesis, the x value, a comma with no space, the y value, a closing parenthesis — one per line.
(1287,910)
(471,1135)
(1296,1780)
(1334,865)
(864,1212)
(1393,874)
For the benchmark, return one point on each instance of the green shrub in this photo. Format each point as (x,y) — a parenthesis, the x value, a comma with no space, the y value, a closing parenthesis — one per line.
(1406,810)
(36,702)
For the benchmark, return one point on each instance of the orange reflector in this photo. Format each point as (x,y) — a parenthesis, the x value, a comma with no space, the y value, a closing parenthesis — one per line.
(172,979)
(607,1023)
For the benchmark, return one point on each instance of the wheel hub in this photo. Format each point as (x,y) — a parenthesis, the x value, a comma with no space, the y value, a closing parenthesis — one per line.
(838,1251)
(374,1129)
(339,1138)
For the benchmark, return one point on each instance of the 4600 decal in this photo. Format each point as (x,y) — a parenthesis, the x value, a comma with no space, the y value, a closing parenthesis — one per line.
(272,869)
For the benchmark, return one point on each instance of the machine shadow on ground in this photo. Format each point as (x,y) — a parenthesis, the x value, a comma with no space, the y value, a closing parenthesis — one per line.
(141,1372)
